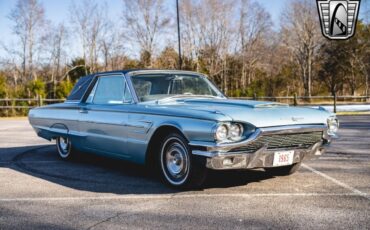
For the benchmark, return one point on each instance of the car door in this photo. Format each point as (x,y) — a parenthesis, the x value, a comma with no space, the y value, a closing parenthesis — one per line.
(104,117)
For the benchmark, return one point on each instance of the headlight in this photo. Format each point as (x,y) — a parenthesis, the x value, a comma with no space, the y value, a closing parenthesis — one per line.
(222,132)
(333,125)
(229,132)
(236,131)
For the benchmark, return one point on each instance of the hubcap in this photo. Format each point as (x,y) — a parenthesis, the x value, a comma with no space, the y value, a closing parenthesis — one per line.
(64,146)
(175,161)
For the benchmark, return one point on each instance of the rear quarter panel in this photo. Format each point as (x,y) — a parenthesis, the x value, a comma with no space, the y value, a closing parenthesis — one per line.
(52,121)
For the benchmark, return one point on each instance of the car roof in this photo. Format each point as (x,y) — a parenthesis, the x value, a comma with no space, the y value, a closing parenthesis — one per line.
(140,71)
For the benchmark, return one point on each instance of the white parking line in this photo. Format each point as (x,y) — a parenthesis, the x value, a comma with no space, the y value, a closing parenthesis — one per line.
(170,196)
(346,186)
(347,158)
(42,162)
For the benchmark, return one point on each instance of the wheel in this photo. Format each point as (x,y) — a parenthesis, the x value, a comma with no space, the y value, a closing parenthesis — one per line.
(284,170)
(65,149)
(178,166)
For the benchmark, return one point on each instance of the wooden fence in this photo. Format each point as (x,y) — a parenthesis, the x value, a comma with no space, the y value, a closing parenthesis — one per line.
(20,106)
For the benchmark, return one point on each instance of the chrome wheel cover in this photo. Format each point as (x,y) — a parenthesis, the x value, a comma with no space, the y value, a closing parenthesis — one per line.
(175,161)
(64,146)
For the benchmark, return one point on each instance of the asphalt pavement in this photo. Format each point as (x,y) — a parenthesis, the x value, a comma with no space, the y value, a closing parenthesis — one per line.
(40,191)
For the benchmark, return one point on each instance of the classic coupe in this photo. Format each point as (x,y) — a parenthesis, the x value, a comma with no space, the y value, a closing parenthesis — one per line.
(179,122)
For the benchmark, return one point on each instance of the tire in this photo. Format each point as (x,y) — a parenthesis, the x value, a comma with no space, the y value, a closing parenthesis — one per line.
(178,167)
(65,148)
(284,170)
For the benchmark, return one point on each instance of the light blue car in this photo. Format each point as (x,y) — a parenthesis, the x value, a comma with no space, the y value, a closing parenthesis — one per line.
(181,123)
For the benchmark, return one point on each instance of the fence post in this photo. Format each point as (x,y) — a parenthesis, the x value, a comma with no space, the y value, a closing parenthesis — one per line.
(13,111)
(255,96)
(335,102)
(39,102)
(6,104)
(295,99)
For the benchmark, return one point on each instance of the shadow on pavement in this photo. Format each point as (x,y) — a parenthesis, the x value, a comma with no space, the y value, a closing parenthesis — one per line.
(93,173)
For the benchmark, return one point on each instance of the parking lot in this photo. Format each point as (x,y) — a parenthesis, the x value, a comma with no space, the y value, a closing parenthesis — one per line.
(38,190)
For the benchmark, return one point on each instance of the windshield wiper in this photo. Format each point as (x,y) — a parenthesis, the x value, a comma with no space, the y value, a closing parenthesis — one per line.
(184,96)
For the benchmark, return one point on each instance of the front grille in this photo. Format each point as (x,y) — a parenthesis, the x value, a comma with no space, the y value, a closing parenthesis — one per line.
(282,141)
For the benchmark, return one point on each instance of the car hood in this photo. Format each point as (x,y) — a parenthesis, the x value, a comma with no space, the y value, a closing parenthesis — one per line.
(257,113)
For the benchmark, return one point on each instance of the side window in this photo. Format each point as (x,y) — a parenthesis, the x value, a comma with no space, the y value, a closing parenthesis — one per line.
(110,90)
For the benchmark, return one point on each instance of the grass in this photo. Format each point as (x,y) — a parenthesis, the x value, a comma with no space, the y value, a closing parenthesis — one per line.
(14,118)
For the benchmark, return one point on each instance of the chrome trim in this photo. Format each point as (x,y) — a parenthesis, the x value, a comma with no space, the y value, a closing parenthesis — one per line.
(213,148)
(149,71)
(262,158)
(99,76)
(228,124)
(132,89)
(334,134)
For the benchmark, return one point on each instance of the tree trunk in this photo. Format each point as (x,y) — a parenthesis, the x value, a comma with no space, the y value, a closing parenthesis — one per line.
(24,71)
(309,74)
(226,89)
(366,85)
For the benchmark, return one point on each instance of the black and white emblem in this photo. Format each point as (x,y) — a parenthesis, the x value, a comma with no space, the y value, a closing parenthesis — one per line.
(338,18)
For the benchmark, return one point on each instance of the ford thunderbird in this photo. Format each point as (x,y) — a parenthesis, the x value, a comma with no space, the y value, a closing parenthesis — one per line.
(179,122)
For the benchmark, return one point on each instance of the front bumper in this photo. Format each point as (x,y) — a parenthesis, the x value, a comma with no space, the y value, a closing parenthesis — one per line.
(221,156)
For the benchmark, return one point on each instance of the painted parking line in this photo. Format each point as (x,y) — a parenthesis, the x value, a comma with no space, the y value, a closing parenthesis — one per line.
(350,158)
(170,196)
(335,181)
(41,162)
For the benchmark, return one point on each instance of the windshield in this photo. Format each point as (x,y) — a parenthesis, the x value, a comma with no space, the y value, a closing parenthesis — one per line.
(151,87)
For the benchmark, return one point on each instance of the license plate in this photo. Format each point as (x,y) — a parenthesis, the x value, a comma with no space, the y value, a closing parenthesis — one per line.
(283,158)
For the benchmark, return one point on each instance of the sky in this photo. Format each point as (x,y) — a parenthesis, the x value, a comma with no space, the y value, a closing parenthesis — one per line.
(57,11)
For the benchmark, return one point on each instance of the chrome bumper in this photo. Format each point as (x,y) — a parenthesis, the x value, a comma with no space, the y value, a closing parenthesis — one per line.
(260,159)
(220,156)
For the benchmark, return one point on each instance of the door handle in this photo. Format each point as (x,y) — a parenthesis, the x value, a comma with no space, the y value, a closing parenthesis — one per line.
(83,110)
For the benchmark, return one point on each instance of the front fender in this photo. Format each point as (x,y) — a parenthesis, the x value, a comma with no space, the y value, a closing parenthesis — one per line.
(192,129)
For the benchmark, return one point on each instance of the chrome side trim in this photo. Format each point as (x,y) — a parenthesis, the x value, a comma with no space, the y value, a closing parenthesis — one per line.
(219,148)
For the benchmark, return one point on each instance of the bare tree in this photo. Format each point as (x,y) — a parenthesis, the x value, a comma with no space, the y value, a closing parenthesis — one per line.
(208,31)
(57,41)
(11,63)
(145,20)
(301,34)
(189,31)
(363,56)
(112,47)
(28,18)
(89,21)
(254,25)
